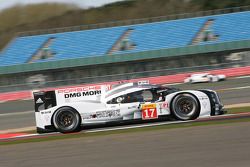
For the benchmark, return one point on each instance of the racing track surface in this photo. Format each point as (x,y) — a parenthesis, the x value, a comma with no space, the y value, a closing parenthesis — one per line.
(225,145)
(12,114)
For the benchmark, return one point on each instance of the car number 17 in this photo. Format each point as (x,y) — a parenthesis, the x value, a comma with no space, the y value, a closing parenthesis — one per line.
(149,111)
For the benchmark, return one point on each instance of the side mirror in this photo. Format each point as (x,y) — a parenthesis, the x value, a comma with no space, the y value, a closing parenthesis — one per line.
(119,99)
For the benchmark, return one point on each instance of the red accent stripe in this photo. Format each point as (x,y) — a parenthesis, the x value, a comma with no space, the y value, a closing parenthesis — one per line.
(10,135)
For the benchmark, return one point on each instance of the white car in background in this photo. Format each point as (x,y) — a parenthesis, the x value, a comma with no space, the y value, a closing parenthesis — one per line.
(204,77)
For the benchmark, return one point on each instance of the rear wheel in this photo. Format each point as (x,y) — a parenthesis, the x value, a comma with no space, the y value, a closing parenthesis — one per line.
(185,107)
(66,120)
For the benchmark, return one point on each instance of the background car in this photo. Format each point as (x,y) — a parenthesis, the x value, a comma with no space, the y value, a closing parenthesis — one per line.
(204,77)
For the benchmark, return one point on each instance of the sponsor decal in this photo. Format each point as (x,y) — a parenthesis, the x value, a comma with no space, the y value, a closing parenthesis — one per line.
(112,106)
(79,89)
(132,107)
(81,94)
(102,114)
(145,82)
(108,113)
(149,111)
(146,106)
(204,104)
(39,101)
(203,98)
(164,105)
(45,112)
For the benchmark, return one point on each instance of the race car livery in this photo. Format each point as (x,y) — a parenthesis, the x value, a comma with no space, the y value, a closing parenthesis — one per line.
(67,110)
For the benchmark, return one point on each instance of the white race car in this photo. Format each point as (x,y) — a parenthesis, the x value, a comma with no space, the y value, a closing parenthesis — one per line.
(204,77)
(66,110)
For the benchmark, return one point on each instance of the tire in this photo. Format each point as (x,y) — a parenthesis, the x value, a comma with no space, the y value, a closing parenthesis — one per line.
(185,106)
(66,120)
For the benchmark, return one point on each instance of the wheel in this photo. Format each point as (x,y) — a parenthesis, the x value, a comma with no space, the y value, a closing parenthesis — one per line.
(185,107)
(66,120)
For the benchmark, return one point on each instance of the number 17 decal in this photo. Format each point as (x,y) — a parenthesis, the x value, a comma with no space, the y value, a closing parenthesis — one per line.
(149,111)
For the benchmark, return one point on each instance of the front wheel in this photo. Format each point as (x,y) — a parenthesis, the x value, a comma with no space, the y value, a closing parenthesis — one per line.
(66,120)
(185,106)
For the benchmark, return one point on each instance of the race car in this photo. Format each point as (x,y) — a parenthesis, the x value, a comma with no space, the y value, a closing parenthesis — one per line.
(70,109)
(204,77)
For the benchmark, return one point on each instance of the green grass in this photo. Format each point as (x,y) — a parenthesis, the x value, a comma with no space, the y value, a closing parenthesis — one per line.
(135,130)
(238,110)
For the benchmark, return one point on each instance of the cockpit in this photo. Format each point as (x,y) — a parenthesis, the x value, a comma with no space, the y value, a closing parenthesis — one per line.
(146,95)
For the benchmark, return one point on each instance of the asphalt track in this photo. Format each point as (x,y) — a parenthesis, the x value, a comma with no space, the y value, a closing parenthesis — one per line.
(225,145)
(232,91)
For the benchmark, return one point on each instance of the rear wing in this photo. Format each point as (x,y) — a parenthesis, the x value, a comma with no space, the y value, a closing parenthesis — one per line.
(44,100)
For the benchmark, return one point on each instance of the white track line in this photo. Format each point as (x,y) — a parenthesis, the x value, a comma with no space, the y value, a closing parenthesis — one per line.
(237,105)
(136,126)
(16,113)
(235,88)
(248,76)
(170,84)
(18,130)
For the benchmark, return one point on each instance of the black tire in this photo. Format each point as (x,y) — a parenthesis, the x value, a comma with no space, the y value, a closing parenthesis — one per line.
(185,106)
(66,120)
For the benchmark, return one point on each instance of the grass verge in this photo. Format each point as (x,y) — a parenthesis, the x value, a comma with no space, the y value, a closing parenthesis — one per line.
(238,110)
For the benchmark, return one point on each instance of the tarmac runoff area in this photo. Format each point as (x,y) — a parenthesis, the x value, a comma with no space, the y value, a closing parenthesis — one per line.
(225,145)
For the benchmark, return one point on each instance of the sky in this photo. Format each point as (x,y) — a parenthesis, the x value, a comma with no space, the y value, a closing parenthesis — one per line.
(81,3)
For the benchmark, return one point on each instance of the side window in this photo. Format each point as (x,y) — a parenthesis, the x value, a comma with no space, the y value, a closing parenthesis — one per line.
(113,101)
(139,96)
(130,98)
(147,96)
(120,99)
